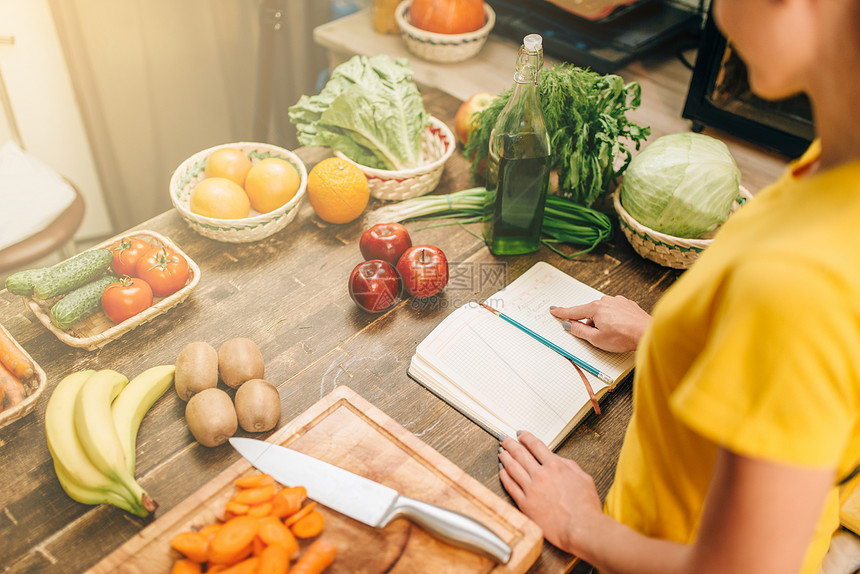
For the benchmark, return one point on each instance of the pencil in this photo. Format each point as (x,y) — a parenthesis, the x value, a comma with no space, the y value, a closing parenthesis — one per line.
(577,362)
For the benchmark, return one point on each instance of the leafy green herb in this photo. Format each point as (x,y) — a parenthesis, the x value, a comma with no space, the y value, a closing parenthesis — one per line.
(586,116)
(370,110)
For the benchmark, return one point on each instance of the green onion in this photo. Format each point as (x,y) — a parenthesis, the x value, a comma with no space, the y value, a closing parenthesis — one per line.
(563,220)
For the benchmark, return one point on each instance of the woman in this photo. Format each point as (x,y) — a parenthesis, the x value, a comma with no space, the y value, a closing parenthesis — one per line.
(747,389)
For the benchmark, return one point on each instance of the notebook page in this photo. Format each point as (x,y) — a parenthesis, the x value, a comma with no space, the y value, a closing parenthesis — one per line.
(507,372)
(527,300)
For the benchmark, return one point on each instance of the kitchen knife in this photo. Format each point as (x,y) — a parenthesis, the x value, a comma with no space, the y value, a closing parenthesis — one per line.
(365,500)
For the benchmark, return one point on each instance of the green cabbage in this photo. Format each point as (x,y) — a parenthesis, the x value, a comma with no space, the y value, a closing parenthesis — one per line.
(682,184)
(370,110)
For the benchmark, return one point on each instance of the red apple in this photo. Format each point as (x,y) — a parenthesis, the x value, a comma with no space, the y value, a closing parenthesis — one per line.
(374,285)
(463,127)
(386,241)
(423,270)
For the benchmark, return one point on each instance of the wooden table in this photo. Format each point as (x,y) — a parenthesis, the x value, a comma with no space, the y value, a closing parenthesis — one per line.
(288,293)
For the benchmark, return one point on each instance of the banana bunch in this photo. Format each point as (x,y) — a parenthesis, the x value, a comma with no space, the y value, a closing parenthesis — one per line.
(91,423)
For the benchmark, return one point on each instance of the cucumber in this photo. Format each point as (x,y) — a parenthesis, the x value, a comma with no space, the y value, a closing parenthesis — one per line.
(77,271)
(80,303)
(22,282)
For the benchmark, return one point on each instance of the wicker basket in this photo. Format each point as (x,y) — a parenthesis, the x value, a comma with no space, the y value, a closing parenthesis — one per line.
(443,48)
(97,330)
(255,227)
(437,145)
(667,250)
(33,386)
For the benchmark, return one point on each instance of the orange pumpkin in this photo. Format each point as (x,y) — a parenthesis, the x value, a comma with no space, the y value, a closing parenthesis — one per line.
(447,16)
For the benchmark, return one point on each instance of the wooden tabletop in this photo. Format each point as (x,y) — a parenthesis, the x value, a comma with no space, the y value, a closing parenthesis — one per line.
(288,293)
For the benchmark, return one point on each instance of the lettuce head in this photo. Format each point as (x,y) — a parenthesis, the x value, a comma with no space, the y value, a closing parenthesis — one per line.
(370,110)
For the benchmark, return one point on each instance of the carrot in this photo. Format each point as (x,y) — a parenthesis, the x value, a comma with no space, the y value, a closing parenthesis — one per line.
(13,359)
(300,514)
(248,566)
(231,541)
(259,546)
(274,560)
(252,496)
(273,532)
(235,508)
(288,501)
(11,387)
(210,530)
(254,481)
(308,526)
(192,545)
(186,566)
(319,556)
(260,510)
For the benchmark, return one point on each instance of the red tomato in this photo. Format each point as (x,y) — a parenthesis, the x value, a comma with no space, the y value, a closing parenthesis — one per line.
(126,298)
(164,270)
(126,253)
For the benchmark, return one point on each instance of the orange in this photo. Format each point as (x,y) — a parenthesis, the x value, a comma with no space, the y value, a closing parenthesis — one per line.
(271,183)
(338,190)
(219,198)
(229,163)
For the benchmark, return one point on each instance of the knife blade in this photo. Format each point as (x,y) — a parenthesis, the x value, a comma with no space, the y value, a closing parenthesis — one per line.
(367,501)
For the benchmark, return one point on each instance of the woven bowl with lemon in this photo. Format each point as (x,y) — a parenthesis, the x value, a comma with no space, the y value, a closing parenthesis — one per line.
(239,192)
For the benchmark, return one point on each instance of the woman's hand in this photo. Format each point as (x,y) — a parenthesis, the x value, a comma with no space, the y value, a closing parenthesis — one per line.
(553,491)
(613,324)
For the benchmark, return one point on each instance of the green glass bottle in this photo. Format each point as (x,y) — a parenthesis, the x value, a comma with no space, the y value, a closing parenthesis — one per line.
(518,165)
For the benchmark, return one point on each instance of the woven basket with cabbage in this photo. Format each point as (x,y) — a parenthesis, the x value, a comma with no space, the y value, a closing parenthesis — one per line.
(674,196)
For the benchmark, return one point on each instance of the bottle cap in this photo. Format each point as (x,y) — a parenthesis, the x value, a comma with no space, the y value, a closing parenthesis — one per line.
(533,42)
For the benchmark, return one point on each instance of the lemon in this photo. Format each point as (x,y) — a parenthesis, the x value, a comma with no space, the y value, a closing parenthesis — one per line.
(271,183)
(220,198)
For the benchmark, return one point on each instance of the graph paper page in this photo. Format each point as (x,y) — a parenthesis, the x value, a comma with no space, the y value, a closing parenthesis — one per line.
(527,300)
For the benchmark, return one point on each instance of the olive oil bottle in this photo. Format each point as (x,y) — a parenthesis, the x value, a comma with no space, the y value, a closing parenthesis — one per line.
(519,162)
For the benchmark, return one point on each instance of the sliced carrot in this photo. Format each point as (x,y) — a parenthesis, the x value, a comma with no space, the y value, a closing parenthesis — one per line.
(247,566)
(192,545)
(186,566)
(232,539)
(259,546)
(308,526)
(274,560)
(13,359)
(300,514)
(319,556)
(273,532)
(288,501)
(260,510)
(12,388)
(210,530)
(211,568)
(236,509)
(252,496)
(254,481)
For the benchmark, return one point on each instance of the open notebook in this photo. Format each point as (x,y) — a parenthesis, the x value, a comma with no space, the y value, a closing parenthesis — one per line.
(504,379)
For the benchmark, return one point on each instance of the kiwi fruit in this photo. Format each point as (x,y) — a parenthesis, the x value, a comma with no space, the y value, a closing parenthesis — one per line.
(258,405)
(211,417)
(240,360)
(196,369)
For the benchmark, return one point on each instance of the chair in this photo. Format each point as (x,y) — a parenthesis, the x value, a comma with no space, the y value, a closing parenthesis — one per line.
(55,237)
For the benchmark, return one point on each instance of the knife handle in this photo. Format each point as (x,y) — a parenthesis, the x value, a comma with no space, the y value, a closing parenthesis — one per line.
(452,527)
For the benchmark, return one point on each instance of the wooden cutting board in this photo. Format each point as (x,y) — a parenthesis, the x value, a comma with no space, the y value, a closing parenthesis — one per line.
(346,430)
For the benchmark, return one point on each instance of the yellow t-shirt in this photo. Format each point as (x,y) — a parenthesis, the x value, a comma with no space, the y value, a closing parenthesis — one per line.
(757,348)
